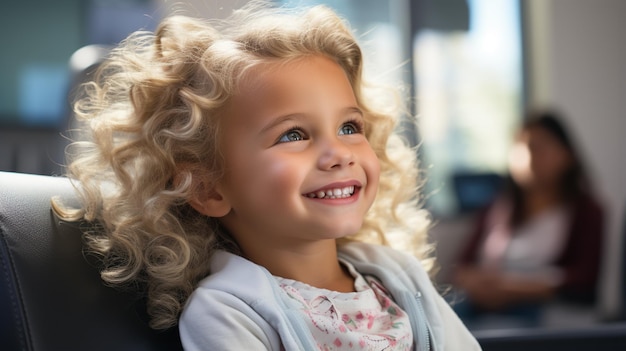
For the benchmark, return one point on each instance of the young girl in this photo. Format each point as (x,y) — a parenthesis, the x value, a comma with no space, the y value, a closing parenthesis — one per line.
(249,178)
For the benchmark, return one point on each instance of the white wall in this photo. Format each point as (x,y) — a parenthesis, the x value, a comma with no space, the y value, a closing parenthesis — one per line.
(578,64)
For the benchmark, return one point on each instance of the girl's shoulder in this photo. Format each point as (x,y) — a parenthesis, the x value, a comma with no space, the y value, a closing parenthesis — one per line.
(224,304)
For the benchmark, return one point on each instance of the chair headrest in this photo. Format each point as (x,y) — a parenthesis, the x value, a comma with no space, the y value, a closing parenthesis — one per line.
(51,291)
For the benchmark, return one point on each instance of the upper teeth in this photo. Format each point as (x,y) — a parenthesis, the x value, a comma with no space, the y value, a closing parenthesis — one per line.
(335,193)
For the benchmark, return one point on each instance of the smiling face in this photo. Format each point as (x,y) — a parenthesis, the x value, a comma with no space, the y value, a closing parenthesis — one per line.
(298,166)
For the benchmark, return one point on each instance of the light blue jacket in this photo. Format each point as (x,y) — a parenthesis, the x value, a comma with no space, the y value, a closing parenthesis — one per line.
(240,306)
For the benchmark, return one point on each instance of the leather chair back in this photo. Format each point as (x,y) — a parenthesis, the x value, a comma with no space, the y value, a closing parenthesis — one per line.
(51,294)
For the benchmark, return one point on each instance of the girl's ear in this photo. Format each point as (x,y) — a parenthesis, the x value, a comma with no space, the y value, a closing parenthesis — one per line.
(211,203)
(206,197)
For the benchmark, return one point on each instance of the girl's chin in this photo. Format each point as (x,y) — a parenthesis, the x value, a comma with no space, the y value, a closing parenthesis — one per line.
(346,232)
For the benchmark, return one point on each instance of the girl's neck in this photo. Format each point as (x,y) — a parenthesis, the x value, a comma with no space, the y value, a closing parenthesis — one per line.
(315,264)
(538,200)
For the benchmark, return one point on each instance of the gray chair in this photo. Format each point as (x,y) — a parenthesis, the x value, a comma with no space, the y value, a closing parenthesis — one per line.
(51,295)
(602,337)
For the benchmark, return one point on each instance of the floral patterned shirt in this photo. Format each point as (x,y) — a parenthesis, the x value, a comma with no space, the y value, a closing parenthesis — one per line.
(367,319)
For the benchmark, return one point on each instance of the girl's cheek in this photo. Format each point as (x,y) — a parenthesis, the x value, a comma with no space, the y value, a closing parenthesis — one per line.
(375,163)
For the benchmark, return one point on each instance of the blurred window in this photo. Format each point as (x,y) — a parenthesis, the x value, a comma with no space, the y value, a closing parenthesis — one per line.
(38,38)
(469,96)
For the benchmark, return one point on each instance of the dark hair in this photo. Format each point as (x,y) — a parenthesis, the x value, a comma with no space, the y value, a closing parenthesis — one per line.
(575,182)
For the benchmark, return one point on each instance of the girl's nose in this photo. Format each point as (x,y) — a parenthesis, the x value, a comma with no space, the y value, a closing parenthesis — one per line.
(335,155)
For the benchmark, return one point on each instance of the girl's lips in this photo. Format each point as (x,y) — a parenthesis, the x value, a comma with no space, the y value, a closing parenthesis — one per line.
(338,190)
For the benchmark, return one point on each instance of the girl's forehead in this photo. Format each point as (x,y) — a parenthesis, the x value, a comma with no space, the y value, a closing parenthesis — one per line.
(309,83)
(263,73)
(300,72)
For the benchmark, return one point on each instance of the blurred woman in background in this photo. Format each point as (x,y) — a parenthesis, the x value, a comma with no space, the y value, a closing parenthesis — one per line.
(541,238)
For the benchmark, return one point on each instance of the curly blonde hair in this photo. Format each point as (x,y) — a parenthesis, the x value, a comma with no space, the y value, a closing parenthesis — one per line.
(153,115)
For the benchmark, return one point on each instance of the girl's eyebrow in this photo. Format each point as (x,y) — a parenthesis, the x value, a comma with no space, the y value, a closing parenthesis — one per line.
(280,120)
(353,109)
(298,116)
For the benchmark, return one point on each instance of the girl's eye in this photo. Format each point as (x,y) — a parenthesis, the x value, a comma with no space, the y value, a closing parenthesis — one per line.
(350,128)
(292,135)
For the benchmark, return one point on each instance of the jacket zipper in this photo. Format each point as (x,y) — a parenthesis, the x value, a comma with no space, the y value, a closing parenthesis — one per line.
(417,314)
(424,322)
